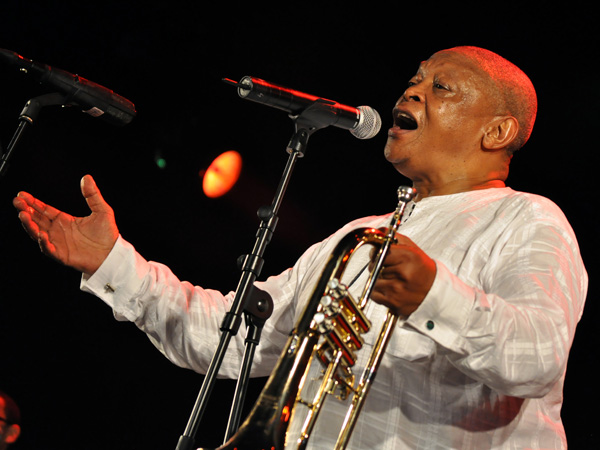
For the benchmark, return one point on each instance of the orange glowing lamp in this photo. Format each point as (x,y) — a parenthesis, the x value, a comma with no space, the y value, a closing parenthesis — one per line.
(222,174)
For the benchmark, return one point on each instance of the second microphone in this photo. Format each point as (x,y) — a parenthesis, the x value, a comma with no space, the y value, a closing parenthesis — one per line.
(363,122)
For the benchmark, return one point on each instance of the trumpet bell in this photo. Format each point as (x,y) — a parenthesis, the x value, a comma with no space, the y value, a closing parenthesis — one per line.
(317,362)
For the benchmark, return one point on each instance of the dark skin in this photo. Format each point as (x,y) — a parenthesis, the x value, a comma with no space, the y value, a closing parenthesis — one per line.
(82,243)
(459,145)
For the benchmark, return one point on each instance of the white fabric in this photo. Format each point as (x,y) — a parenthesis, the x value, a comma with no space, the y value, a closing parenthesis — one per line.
(509,291)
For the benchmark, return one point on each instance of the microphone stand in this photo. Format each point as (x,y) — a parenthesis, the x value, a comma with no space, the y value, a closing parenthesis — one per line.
(313,118)
(258,310)
(27,117)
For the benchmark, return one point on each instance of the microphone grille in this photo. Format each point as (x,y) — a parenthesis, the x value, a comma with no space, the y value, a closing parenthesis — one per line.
(368,125)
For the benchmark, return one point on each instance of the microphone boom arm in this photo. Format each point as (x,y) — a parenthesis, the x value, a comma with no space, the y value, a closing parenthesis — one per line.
(27,117)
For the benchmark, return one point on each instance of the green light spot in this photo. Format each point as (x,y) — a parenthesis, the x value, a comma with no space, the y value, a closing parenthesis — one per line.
(161,163)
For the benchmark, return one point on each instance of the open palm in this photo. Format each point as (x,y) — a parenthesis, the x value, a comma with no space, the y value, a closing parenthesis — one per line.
(79,242)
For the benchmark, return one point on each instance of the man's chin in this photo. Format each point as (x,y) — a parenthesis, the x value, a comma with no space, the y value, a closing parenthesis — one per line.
(393,153)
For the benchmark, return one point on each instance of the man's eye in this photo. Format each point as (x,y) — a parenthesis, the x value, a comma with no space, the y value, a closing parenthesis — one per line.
(440,86)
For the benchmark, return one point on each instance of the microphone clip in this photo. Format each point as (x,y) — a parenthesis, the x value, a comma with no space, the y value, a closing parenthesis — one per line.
(315,117)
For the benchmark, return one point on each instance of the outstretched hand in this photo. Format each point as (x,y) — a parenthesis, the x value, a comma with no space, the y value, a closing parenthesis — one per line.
(82,243)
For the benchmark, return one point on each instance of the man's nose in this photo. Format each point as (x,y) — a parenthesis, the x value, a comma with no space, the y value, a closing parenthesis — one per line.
(413,94)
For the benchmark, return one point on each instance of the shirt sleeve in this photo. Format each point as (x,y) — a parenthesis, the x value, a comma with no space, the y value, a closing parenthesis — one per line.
(514,331)
(183,321)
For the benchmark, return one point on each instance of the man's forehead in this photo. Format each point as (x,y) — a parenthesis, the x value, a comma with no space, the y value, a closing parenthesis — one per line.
(448,61)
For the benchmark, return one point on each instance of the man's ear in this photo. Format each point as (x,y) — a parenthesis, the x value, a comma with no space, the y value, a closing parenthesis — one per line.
(12,433)
(500,132)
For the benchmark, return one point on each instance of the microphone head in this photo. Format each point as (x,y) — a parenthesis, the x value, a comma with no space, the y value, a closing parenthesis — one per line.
(368,125)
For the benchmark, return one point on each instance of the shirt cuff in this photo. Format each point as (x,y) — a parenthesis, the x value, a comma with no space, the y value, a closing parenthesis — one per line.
(119,277)
(444,312)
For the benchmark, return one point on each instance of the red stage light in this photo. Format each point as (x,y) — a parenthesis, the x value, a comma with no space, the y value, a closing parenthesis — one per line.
(222,174)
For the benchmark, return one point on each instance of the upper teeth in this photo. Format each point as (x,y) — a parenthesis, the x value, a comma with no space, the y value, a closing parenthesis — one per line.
(406,121)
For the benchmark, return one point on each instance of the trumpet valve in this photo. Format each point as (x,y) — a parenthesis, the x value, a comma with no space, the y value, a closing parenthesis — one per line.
(341,321)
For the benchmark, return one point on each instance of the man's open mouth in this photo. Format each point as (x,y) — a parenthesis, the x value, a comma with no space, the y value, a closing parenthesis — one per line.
(405,121)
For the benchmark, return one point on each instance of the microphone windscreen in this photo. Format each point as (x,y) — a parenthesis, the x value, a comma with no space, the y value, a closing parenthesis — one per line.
(368,125)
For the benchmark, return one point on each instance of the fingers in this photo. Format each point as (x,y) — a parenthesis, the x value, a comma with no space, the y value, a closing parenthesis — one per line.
(24,204)
(398,297)
(31,218)
(22,201)
(40,212)
(30,226)
(92,196)
(79,242)
(402,248)
(28,203)
(46,246)
(37,218)
(406,277)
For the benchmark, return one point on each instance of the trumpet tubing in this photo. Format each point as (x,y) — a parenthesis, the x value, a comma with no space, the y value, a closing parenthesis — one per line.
(327,335)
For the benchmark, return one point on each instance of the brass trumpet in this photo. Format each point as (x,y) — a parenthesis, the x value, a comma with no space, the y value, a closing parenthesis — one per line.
(329,333)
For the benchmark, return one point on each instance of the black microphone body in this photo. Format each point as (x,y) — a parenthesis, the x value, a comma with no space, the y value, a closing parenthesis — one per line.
(363,122)
(94,99)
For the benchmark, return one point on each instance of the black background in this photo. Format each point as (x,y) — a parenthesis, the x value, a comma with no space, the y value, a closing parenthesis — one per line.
(86,381)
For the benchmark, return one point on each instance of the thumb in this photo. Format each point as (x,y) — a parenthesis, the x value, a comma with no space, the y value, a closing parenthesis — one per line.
(92,196)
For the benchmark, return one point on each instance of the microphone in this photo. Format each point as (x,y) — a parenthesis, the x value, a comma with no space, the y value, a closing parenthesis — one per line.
(94,99)
(363,122)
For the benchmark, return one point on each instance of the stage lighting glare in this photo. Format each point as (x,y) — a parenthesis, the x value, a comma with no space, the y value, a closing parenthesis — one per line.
(222,174)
